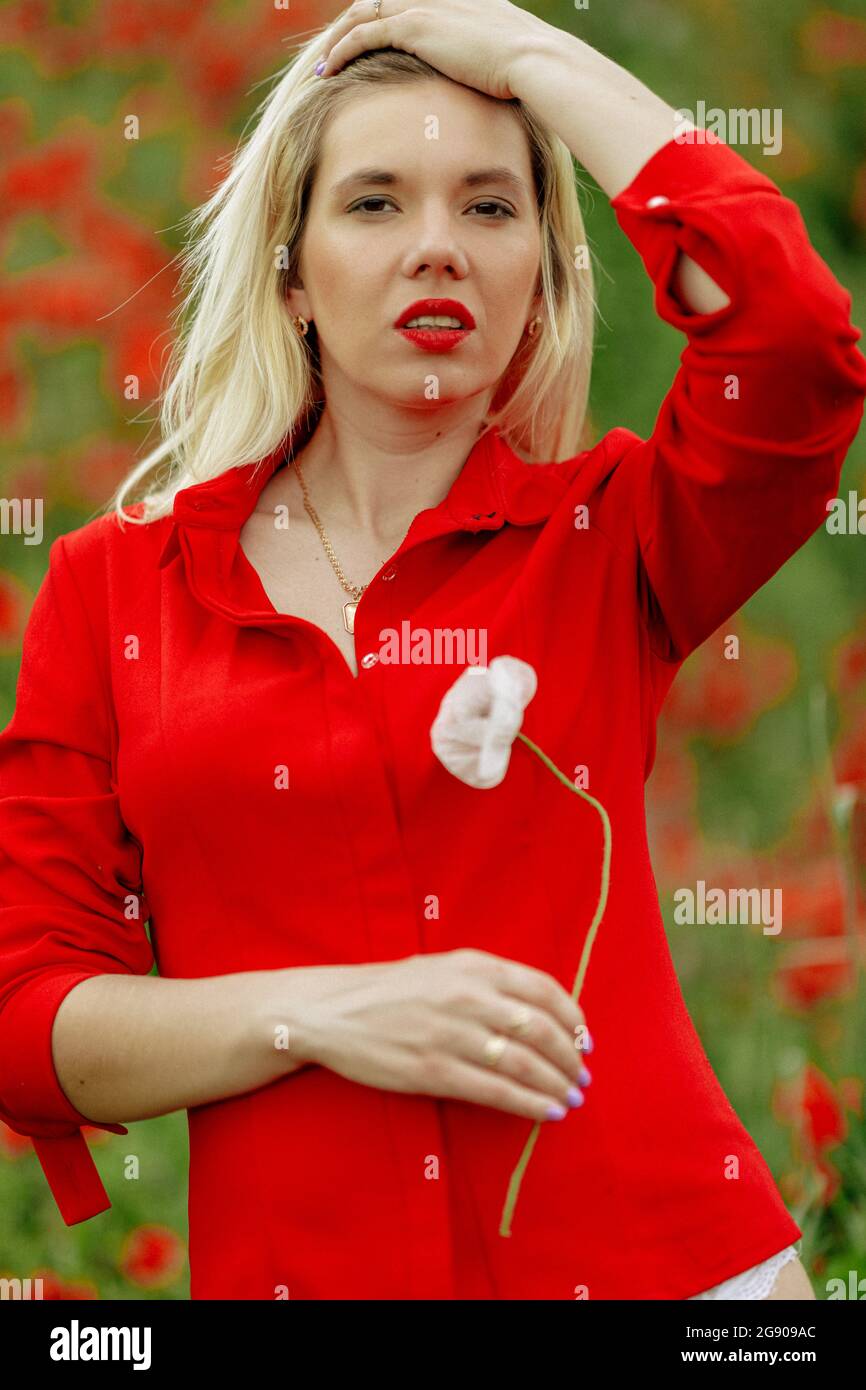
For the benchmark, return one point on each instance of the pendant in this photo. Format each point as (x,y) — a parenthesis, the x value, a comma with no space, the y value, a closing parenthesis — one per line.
(349,615)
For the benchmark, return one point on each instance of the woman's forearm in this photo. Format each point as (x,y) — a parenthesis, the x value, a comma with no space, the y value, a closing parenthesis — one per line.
(611,122)
(128,1047)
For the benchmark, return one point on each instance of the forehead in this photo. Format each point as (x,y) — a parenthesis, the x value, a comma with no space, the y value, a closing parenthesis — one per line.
(415,127)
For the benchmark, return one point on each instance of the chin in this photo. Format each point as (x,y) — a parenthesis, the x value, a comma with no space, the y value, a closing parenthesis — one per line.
(454,381)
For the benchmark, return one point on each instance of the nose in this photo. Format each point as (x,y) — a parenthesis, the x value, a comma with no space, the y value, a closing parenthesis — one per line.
(434,246)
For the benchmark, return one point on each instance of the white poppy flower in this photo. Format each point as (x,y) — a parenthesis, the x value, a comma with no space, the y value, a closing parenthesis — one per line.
(479,718)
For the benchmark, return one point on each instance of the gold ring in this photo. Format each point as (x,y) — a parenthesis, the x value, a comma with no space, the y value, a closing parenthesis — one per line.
(521,1020)
(494,1048)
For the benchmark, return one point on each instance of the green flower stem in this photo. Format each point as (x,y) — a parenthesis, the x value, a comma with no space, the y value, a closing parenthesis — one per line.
(520,1169)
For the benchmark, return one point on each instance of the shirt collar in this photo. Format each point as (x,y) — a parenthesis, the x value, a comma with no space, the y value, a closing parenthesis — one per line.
(493,487)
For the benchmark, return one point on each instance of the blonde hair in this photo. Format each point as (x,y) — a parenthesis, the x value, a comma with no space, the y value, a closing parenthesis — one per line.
(242,378)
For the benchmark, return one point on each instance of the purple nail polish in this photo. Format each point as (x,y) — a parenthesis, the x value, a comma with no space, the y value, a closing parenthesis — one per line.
(584,1076)
(575,1097)
(320,67)
(556,1112)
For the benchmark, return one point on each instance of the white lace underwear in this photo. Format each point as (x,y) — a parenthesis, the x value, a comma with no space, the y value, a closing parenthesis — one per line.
(752,1283)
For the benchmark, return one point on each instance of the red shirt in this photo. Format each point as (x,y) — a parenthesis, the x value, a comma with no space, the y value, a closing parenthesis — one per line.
(155,776)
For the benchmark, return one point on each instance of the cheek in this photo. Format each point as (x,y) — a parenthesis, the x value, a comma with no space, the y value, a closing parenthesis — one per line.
(506,304)
(338,281)
(510,278)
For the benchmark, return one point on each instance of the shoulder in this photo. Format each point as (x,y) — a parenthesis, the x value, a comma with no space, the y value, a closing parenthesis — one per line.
(533,490)
(592,469)
(103,579)
(105,545)
(599,488)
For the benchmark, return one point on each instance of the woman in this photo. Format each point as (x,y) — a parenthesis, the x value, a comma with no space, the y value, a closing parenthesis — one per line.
(364,965)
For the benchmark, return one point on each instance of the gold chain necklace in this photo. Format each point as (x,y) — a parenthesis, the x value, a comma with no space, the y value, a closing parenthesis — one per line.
(356,590)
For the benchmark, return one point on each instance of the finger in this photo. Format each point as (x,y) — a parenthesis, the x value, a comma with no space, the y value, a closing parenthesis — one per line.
(541,1031)
(355,14)
(362,38)
(462,1081)
(521,1063)
(536,987)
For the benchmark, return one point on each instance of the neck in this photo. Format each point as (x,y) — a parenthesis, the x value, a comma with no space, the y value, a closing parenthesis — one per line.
(375,472)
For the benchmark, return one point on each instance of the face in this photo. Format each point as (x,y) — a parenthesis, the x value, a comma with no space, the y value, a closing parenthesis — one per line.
(424,191)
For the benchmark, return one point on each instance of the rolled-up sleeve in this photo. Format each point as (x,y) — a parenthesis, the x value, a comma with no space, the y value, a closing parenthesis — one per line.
(72,903)
(749,442)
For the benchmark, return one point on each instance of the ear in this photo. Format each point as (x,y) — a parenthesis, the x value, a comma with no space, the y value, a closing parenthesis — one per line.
(297,302)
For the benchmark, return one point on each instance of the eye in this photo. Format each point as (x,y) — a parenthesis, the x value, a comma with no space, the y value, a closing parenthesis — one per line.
(356,207)
(501,208)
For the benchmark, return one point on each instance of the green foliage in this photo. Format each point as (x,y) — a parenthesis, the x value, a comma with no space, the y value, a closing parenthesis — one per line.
(750,788)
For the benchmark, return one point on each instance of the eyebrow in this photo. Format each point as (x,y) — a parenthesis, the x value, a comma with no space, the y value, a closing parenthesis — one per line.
(498,173)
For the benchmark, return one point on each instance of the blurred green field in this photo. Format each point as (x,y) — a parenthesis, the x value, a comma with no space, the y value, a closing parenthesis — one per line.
(761,774)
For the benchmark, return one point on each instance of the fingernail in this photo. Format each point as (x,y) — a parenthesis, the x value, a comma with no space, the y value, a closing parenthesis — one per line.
(320,67)
(587,1043)
(556,1112)
(584,1076)
(575,1097)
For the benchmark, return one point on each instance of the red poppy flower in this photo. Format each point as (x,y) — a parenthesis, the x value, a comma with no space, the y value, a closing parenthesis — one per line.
(820,963)
(152,1257)
(831,41)
(850,658)
(722,698)
(849,755)
(47,179)
(14,606)
(55,1288)
(815,970)
(816,1111)
(12,400)
(810,1103)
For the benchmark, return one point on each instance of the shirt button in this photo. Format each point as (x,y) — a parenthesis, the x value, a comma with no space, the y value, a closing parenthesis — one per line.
(389,574)
(658,201)
(369,660)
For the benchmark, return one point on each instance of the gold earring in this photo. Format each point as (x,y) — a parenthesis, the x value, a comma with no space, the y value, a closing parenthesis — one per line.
(301,324)
(534,327)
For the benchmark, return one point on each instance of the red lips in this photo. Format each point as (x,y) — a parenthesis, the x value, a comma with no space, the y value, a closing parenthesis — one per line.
(423,307)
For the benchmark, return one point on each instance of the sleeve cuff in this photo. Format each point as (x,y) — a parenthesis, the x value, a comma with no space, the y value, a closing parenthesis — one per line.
(693,199)
(33,1097)
(35,1104)
(691,172)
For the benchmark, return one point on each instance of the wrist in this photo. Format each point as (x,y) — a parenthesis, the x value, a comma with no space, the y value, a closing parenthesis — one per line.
(278,1027)
(538,48)
(547,52)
